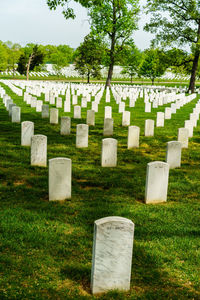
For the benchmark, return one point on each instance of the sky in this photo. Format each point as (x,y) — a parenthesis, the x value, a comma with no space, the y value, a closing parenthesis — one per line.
(31,21)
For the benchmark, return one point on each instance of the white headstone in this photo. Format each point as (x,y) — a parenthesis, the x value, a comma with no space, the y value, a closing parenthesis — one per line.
(109,153)
(45,111)
(149,128)
(108,112)
(53,116)
(112,254)
(173,154)
(60,177)
(156,182)
(133,137)
(183,134)
(27,131)
(65,126)
(82,136)
(39,150)
(77,112)
(126,118)
(160,119)
(90,118)
(16,114)
(108,127)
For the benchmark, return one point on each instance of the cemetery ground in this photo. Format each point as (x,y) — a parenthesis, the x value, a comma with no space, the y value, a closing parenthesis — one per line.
(46,247)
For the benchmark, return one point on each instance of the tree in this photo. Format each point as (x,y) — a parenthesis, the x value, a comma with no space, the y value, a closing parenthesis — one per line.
(153,65)
(115,20)
(89,57)
(132,61)
(60,56)
(3,57)
(68,12)
(181,26)
(32,57)
(14,53)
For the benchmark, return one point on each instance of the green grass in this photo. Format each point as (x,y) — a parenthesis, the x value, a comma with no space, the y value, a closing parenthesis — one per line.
(46,248)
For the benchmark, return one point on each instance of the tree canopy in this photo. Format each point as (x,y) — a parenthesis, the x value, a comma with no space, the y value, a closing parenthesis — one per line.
(89,56)
(177,23)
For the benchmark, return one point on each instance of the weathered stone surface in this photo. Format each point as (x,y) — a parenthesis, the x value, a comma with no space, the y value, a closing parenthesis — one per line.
(149,127)
(90,118)
(27,131)
(53,116)
(133,137)
(173,154)
(108,112)
(77,112)
(39,150)
(82,136)
(109,153)
(65,126)
(183,134)
(108,127)
(60,177)
(126,118)
(156,182)
(112,254)
(16,114)
(160,119)
(45,111)
(10,108)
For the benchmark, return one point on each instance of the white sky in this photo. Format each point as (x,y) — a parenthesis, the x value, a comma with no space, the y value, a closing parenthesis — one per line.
(31,21)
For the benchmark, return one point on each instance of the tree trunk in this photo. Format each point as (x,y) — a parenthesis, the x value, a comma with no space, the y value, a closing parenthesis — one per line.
(112,50)
(152,80)
(195,64)
(131,78)
(28,66)
(194,71)
(88,77)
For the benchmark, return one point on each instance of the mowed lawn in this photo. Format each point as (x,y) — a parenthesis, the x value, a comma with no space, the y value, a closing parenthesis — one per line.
(46,248)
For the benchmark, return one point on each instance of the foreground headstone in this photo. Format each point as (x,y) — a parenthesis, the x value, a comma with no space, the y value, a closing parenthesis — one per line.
(183,135)
(27,131)
(16,114)
(133,137)
(45,111)
(108,127)
(39,150)
(109,153)
(82,136)
(149,128)
(53,116)
(65,126)
(156,182)
(112,254)
(173,154)
(60,173)
(90,118)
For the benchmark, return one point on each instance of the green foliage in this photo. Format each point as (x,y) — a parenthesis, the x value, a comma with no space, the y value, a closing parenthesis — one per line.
(89,56)
(3,57)
(30,51)
(67,11)
(154,64)
(115,20)
(132,58)
(180,26)
(60,56)
(177,23)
